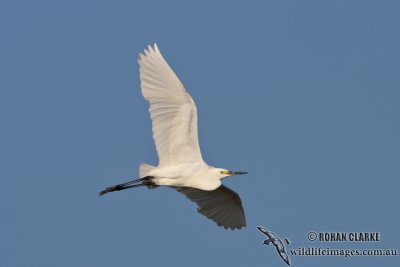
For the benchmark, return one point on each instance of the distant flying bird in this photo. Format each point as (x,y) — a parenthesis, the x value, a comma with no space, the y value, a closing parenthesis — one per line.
(274,240)
(181,166)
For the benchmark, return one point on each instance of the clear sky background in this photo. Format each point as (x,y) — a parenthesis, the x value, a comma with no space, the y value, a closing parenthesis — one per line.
(302,94)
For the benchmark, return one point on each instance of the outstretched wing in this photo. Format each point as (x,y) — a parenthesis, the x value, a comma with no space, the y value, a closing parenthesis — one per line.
(266,232)
(221,205)
(284,257)
(172,110)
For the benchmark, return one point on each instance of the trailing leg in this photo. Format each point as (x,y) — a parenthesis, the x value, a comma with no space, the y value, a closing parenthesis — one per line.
(145,181)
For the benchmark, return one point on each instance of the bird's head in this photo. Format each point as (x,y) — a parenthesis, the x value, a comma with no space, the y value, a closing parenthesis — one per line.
(223,173)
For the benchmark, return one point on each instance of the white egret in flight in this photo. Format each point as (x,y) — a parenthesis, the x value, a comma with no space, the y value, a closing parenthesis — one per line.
(181,166)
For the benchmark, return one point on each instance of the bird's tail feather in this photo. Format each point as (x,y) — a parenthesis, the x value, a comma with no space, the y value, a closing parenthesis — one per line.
(145,169)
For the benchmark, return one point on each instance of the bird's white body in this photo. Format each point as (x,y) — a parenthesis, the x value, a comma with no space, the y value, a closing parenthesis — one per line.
(197,175)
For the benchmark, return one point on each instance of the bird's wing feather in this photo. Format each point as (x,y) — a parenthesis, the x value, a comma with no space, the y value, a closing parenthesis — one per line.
(172,110)
(285,257)
(221,205)
(266,232)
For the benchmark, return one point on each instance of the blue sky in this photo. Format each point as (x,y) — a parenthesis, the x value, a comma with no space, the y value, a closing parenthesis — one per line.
(302,94)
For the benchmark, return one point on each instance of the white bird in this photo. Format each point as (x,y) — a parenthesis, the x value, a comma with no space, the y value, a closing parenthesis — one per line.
(181,166)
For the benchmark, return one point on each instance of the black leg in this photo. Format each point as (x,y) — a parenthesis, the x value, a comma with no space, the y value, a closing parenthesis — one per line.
(147,178)
(145,182)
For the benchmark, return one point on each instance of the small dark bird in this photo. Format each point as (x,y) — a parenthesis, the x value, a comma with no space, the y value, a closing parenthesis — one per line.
(277,242)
